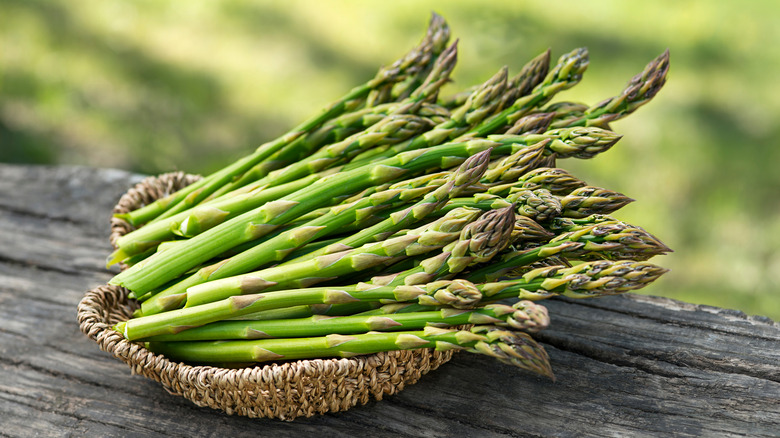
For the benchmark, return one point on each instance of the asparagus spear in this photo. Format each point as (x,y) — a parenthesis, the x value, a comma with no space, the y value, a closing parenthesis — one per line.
(586,280)
(524,315)
(398,126)
(178,320)
(605,240)
(295,177)
(639,90)
(542,206)
(530,75)
(510,347)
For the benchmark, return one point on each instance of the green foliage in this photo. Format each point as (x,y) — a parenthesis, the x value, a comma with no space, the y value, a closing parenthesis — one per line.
(152,86)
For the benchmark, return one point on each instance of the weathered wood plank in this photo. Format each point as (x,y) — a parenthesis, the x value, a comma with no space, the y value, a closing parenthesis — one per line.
(629,365)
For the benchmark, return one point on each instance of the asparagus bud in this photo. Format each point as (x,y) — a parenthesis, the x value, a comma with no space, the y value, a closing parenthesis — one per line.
(531,124)
(513,348)
(539,204)
(528,316)
(528,230)
(517,164)
(583,143)
(557,181)
(587,201)
(460,294)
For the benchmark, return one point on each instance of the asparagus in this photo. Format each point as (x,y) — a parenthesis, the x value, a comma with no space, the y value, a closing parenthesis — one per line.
(162,267)
(200,218)
(417,61)
(558,181)
(293,178)
(537,123)
(335,130)
(524,315)
(278,247)
(530,75)
(542,206)
(585,280)
(510,347)
(435,38)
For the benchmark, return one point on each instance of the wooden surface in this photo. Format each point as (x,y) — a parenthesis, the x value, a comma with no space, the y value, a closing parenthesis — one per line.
(626,366)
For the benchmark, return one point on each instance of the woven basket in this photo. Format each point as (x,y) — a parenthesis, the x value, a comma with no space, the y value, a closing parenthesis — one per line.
(277,390)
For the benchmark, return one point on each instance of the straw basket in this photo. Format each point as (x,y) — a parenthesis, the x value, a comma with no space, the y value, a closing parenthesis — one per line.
(277,390)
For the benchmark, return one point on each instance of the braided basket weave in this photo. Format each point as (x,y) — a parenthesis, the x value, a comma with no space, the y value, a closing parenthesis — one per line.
(277,390)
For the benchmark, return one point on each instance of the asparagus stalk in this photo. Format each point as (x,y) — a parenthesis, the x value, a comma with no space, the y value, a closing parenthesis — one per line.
(510,347)
(542,206)
(586,280)
(418,61)
(200,218)
(556,180)
(335,130)
(530,75)
(162,267)
(537,123)
(295,177)
(524,315)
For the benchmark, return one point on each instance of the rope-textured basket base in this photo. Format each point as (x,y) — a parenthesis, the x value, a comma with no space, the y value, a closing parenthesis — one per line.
(278,390)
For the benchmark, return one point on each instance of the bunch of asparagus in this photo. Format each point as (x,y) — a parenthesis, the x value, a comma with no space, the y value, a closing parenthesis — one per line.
(395,219)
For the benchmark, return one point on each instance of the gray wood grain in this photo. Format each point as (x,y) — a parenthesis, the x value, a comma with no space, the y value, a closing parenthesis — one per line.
(626,366)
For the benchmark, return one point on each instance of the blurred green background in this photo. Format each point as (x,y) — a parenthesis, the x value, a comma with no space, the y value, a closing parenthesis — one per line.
(153,86)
